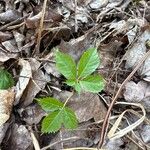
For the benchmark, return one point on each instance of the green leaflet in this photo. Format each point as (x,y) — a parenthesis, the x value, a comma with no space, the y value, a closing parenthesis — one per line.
(52,122)
(6,79)
(66,65)
(69,120)
(92,83)
(88,63)
(71,82)
(50,103)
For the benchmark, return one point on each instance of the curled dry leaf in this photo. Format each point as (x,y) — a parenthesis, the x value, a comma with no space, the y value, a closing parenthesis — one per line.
(4,55)
(6,103)
(24,78)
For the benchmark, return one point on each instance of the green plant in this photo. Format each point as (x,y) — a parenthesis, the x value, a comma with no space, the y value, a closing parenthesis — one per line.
(6,79)
(78,76)
(59,115)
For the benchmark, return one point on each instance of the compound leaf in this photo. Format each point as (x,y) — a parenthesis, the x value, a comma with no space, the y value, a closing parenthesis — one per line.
(6,79)
(66,65)
(69,119)
(52,122)
(50,103)
(88,63)
(92,83)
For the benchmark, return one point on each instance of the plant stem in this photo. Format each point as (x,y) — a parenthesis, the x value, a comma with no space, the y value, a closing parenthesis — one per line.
(68,99)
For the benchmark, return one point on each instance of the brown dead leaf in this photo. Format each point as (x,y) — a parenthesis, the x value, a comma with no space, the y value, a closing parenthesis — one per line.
(107,56)
(145,134)
(10,46)
(35,85)
(24,79)
(6,103)
(76,47)
(20,138)
(33,22)
(4,36)
(138,93)
(19,38)
(135,53)
(3,129)
(97,4)
(114,144)
(4,55)
(32,114)
(9,15)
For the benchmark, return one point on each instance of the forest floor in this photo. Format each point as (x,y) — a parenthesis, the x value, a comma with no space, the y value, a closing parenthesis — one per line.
(30,32)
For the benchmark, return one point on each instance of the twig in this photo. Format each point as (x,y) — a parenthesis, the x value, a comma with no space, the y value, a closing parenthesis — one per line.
(75,13)
(106,120)
(13,22)
(57,142)
(36,51)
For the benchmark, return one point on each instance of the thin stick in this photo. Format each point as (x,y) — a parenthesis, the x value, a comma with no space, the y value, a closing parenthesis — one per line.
(36,51)
(75,12)
(57,142)
(106,120)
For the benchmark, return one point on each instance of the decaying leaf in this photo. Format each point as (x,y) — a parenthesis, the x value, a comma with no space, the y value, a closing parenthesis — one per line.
(135,53)
(9,15)
(3,129)
(20,138)
(145,134)
(10,46)
(32,114)
(6,103)
(4,36)
(138,93)
(19,38)
(76,47)
(33,22)
(5,55)
(36,84)
(113,144)
(24,78)
(97,4)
